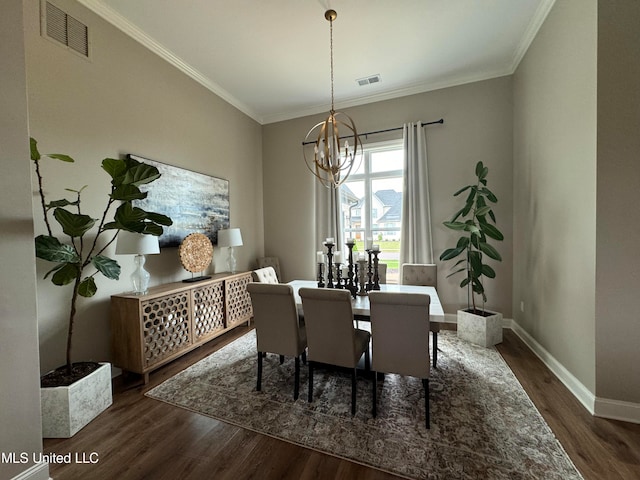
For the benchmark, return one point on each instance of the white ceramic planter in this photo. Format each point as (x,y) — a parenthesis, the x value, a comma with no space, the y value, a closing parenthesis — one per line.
(65,410)
(483,331)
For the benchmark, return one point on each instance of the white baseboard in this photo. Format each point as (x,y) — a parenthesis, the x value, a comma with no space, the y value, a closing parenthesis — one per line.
(39,471)
(582,393)
(451,318)
(617,410)
(599,407)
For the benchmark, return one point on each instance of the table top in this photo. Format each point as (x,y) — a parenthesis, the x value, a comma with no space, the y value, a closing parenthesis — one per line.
(361,304)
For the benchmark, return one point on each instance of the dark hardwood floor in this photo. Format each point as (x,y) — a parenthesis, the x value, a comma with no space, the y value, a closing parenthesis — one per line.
(140,438)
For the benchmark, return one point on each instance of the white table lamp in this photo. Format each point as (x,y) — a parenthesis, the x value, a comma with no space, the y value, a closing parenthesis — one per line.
(137,244)
(230,238)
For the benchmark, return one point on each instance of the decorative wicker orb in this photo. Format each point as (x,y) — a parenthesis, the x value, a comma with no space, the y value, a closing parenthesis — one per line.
(196,252)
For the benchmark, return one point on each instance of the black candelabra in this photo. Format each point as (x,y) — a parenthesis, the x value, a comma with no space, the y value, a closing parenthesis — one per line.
(351,282)
(329,244)
(357,280)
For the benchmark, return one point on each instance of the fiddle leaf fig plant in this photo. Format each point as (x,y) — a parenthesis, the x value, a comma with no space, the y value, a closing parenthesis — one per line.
(476,223)
(79,257)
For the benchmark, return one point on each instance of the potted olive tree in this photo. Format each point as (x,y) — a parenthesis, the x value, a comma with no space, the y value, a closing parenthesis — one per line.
(475,222)
(75,393)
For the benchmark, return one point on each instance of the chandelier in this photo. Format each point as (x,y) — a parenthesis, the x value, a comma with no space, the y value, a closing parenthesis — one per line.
(330,162)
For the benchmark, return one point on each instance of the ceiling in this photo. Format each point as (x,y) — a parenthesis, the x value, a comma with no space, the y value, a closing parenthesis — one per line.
(270,59)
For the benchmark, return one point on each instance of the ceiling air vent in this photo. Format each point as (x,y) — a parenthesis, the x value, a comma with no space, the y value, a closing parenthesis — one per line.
(63,28)
(369,80)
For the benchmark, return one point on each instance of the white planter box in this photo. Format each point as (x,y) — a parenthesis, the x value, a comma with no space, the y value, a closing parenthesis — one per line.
(65,410)
(483,331)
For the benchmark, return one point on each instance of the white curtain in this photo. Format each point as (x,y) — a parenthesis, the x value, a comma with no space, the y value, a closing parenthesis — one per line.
(416,242)
(328,216)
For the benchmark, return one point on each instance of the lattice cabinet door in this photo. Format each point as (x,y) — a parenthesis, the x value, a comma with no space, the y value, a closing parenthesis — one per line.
(166,326)
(208,310)
(239,307)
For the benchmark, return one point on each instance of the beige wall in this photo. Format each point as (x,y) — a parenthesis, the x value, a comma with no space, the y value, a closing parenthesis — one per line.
(618,184)
(554,188)
(478,126)
(21,430)
(128,100)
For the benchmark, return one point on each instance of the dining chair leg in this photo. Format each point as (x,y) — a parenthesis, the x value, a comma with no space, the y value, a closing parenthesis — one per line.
(310,363)
(296,384)
(367,360)
(374,410)
(435,349)
(353,392)
(259,384)
(281,359)
(304,357)
(425,382)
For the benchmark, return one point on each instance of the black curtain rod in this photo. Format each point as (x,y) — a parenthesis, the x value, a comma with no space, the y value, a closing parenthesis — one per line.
(441,121)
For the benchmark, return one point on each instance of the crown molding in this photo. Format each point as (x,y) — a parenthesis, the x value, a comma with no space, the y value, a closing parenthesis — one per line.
(128,28)
(530,33)
(382,96)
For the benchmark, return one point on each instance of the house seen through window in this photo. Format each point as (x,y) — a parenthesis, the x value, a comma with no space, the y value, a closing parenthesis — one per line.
(371,202)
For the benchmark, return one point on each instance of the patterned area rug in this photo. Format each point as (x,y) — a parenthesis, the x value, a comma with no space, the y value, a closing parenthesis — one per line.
(483,424)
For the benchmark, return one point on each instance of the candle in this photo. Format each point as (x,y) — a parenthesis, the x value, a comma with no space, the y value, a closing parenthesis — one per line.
(376,248)
(320,257)
(368,243)
(329,240)
(337,257)
(361,257)
(351,241)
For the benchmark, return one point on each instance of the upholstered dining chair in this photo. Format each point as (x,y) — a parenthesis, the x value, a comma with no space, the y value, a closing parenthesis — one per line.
(423,274)
(271,262)
(382,272)
(331,336)
(277,327)
(400,338)
(265,275)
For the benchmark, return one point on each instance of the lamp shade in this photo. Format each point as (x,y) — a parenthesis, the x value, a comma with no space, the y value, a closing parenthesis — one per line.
(130,243)
(230,237)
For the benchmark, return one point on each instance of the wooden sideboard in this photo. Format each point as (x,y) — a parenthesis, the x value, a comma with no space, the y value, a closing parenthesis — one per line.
(150,330)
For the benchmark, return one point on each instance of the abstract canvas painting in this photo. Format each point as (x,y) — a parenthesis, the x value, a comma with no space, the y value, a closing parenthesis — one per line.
(196,203)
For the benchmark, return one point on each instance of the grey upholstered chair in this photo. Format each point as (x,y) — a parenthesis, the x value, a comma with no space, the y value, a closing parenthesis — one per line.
(400,338)
(382,272)
(423,274)
(420,274)
(271,262)
(277,327)
(265,275)
(331,336)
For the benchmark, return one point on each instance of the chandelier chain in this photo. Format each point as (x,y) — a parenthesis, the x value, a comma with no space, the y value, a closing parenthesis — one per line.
(331,50)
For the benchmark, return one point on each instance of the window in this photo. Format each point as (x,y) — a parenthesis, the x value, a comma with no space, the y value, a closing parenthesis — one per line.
(372,202)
